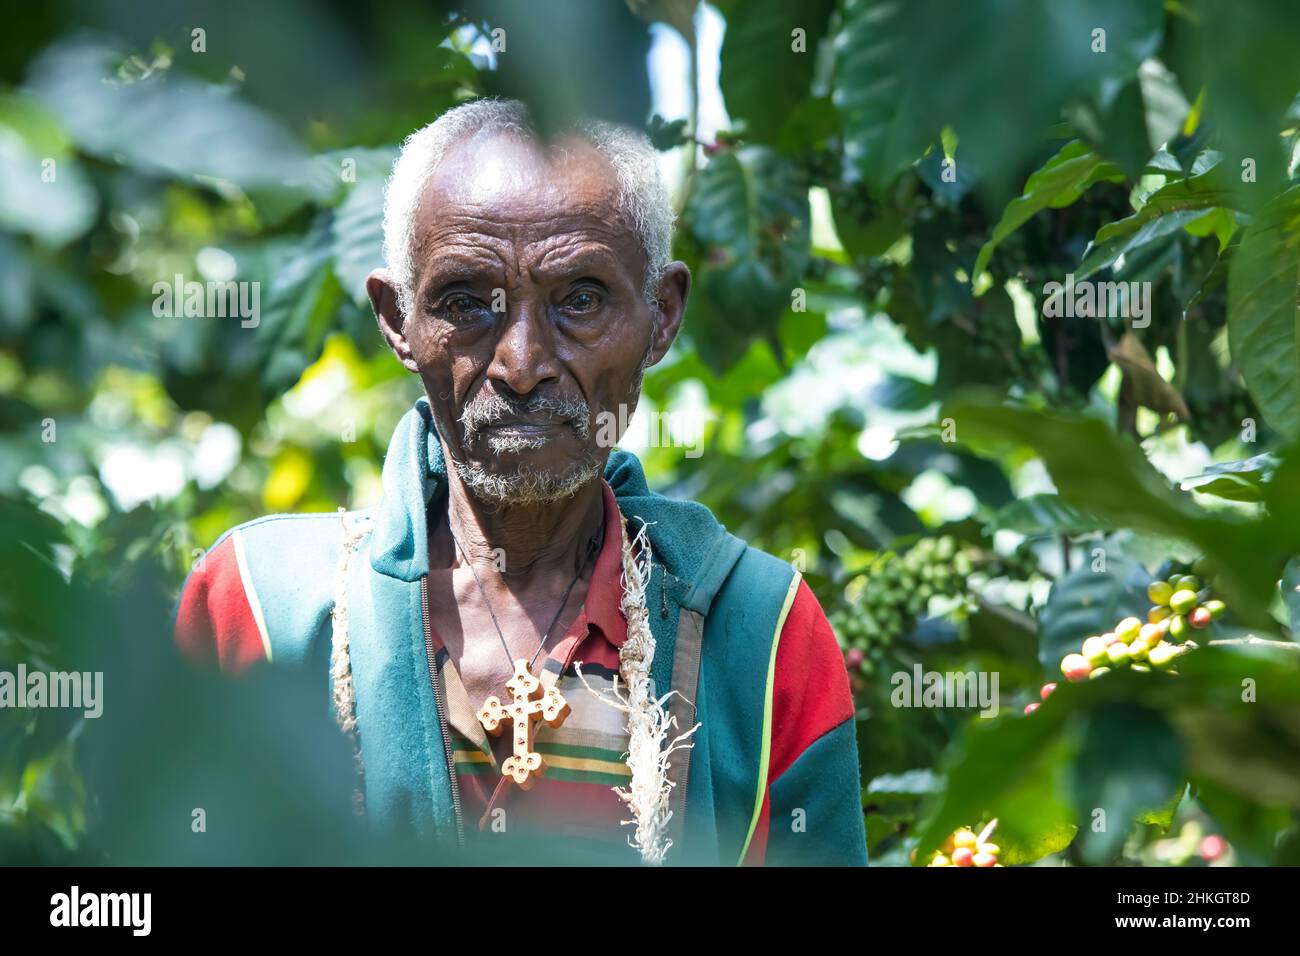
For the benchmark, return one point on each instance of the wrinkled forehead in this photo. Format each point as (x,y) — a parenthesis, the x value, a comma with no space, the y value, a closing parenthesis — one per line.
(509,177)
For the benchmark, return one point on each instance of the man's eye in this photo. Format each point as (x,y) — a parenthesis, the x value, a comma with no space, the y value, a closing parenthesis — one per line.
(584,300)
(461,306)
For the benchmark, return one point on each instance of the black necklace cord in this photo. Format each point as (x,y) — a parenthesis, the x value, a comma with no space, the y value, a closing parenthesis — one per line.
(592,545)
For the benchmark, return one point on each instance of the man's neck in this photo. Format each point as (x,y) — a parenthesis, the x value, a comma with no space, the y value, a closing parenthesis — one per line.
(524,541)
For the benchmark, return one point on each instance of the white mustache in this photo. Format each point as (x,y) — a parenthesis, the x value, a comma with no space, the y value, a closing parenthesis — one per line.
(489,407)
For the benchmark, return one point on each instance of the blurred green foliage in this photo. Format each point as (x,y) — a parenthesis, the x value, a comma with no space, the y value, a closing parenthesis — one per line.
(871,237)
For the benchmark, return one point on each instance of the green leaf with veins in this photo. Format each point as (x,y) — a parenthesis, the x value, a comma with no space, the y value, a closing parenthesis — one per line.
(764,78)
(1100,471)
(749,215)
(1263,315)
(1060,182)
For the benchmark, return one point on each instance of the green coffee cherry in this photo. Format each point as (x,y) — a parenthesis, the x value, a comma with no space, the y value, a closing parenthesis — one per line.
(1178,627)
(1118,654)
(1216,609)
(1183,600)
(1097,672)
(1094,649)
(1159,592)
(1162,654)
(1127,629)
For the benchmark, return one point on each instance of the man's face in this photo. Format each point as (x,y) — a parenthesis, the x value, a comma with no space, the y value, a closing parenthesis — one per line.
(530,325)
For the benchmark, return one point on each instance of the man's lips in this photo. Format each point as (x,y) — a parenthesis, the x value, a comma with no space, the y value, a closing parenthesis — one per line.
(526,426)
(525,430)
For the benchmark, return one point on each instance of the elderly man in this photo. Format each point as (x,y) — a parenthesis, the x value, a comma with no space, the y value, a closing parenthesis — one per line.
(521,637)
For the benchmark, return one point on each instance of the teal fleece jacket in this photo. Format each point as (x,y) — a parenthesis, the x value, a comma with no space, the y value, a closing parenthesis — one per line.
(773,774)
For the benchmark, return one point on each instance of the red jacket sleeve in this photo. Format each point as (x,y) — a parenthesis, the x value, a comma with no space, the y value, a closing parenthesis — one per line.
(813,763)
(219,619)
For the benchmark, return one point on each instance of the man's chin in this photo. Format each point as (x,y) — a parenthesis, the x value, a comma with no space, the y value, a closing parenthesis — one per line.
(511,480)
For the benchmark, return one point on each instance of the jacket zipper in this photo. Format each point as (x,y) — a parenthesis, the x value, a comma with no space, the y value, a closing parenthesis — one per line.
(442,713)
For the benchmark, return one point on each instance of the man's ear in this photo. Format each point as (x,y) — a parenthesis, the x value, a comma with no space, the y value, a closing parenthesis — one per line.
(388,313)
(674,288)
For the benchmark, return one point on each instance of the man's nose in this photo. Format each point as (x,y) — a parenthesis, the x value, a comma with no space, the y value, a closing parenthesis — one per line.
(524,355)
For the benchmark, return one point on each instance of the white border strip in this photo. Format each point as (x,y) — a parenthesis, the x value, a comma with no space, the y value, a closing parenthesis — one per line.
(250,592)
(765,756)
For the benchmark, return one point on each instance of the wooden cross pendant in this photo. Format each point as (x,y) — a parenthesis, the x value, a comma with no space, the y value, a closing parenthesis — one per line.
(530,704)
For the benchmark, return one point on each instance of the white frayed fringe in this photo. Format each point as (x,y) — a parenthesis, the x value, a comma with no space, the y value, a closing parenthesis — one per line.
(344,690)
(648,723)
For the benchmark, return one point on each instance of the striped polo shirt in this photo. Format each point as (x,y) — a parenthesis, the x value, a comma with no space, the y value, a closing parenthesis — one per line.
(585,756)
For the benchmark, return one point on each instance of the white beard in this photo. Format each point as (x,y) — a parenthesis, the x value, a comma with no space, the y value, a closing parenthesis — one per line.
(526,485)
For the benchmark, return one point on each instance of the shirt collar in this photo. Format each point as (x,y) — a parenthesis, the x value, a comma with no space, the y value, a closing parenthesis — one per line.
(605,592)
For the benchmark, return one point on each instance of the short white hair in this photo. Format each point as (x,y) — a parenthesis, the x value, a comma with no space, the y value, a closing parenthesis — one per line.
(642,196)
